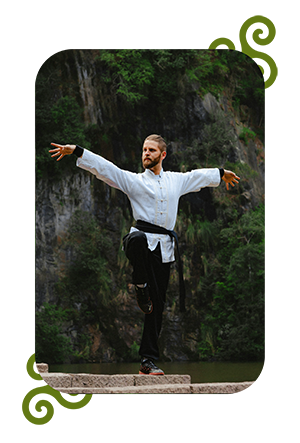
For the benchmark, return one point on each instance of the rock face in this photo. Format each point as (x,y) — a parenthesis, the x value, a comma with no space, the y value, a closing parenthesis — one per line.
(120,327)
(55,204)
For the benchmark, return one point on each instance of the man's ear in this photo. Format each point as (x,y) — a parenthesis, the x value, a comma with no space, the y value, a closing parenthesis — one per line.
(164,154)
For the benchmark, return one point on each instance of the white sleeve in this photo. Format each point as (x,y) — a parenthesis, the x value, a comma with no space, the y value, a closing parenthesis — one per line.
(106,171)
(193,181)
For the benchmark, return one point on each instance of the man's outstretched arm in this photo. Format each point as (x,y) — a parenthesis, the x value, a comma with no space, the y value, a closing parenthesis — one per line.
(103,169)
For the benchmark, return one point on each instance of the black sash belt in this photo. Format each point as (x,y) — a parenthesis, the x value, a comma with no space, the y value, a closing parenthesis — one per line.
(154,229)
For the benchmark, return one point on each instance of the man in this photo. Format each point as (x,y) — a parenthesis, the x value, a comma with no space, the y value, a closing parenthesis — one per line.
(149,246)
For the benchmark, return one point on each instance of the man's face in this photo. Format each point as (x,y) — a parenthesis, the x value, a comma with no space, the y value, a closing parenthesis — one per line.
(152,154)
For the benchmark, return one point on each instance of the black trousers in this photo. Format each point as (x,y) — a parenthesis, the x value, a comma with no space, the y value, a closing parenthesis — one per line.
(148,268)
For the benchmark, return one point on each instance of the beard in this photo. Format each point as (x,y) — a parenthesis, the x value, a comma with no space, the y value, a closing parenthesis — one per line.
(151,163)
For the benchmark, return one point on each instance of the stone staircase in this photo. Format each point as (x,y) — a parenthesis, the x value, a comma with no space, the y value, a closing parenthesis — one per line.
(133,384)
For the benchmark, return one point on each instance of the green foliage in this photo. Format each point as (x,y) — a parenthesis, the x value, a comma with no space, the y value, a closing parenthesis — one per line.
(134,352)
(82,347)
(247,135)
(250,89)
(86,286)
(51,345)
(170,70)
(194,230)
(246,83)
(206,348)
(87,280)
(142,74)
(242,170)
(234,317)
(139,75)
(218,138)
(131,72)
(82,293)
(208,232)
(203,68)
(249,228)
(58,121)
(209,70)
(212,150)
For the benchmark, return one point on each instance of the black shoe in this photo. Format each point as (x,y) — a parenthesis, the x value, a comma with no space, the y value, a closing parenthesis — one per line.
(149,368)
(143,299)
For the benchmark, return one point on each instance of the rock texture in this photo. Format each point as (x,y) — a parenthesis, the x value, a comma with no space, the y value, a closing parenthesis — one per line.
(55,203)
(42,367)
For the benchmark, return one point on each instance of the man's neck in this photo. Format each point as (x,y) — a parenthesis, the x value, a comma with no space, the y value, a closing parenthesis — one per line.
(156,169)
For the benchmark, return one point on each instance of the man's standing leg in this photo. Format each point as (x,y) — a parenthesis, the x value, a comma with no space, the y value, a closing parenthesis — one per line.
(148,268)
(159,274)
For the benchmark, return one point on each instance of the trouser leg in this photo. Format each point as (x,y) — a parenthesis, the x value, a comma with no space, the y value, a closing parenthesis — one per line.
(136,250)
(148,268)
(159,280)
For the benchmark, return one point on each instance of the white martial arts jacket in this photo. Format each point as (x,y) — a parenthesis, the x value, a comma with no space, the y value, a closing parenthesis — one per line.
(153,198)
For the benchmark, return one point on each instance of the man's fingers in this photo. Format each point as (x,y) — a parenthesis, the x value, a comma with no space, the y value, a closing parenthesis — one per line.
(235,180)
(56,153)
(56,150)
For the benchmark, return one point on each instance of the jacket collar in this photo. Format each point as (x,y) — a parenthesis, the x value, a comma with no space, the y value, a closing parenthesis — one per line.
(151,173)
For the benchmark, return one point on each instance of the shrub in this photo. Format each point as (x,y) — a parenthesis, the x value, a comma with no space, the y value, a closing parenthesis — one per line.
(51,346)
(247,135)
(61,123)
(87,278)
(218,138)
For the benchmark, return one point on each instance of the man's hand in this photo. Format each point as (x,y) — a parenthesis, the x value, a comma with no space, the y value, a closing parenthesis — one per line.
(62,150)
(230,177)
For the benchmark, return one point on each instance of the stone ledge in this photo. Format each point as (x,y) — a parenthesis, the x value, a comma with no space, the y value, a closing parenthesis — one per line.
(145,389)
(42,367)
(59,380)
(144,380)
(101,380)
(201,388)
(219,388)
(134,384)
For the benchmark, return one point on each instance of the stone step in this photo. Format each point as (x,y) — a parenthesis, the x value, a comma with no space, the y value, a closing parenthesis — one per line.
(143,389)
(197,388)
(134,384)
(42,367)
(219,388)
(60,380)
